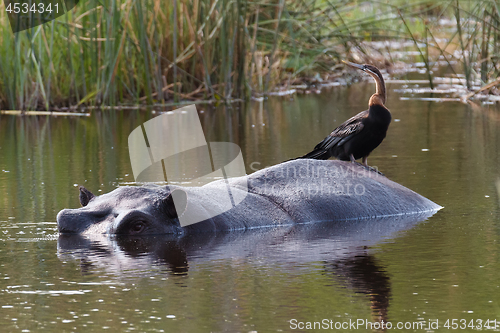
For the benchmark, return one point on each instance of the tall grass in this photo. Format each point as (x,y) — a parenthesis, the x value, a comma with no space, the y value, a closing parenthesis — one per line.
(115,52)
(129,52)
(478,27)
(467,32)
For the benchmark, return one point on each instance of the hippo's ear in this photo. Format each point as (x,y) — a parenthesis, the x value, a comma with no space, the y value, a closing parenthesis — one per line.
(175,203)
(85,196)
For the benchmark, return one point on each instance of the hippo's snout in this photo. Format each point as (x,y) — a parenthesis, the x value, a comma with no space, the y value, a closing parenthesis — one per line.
(70,221)
(127,222)
(64,224)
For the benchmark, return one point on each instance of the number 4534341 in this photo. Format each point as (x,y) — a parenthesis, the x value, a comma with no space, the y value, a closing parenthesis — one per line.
(455,324)
(25,8)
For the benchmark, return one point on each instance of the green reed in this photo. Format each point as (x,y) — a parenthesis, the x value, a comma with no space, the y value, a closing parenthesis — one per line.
(118,52)
(145,52)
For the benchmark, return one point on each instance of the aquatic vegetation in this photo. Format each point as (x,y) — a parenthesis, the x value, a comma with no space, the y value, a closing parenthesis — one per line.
(124,53)
(146,52)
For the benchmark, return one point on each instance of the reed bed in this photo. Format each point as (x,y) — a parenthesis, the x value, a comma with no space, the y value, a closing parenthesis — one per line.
(129,52)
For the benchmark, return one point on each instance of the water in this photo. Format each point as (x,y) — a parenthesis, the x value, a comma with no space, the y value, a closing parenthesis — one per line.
(410,272)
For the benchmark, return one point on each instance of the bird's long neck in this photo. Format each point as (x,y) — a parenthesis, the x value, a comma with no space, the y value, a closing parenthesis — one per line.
(379,96)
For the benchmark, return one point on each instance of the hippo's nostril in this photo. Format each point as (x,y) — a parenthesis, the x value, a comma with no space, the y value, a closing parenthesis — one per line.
(65,231)
(62,221)
(70,221)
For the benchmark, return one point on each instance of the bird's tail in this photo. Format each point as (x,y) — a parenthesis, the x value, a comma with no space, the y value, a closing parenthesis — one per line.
(316,154)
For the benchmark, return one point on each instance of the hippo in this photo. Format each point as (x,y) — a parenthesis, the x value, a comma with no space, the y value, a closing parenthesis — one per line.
(344,251)
(291,244)
(293,192)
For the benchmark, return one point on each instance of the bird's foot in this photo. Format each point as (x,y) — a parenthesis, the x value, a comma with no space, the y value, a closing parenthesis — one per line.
(374,170)
(369,168)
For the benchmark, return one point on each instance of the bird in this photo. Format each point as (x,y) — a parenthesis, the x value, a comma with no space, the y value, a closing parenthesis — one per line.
(358,136)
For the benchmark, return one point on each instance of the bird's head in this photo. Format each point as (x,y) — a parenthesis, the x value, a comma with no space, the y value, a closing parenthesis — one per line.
(379,96)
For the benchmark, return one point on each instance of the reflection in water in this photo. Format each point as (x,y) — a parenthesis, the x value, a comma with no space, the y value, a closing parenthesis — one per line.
(497,184)
(364,275)
(342,246)
(447,152)
(119,254)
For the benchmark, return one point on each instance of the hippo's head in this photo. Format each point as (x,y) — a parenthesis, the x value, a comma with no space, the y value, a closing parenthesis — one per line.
(129,210)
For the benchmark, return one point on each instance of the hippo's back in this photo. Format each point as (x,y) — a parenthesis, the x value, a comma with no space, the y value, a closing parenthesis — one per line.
(315,190)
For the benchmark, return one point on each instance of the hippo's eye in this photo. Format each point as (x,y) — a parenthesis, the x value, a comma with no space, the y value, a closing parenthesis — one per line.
(137,227)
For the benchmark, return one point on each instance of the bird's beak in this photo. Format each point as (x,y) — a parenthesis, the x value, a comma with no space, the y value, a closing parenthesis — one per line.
(351,64)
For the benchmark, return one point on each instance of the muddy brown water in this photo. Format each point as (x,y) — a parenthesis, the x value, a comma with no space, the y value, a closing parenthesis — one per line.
(410,272)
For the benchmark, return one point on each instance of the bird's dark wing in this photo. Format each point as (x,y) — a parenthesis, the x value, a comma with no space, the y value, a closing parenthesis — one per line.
(338,137)
(350,126)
